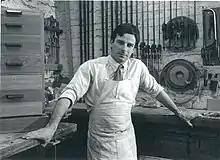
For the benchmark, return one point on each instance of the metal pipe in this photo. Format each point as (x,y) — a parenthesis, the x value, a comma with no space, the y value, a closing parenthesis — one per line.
(93,35)
(103,32)
(106,27)
(80,32)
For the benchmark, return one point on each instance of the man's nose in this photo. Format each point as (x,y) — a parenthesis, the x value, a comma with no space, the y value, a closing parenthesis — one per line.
(124,47)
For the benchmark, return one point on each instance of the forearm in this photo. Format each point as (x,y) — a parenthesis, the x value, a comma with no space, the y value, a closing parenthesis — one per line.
(163,98)
(59,110)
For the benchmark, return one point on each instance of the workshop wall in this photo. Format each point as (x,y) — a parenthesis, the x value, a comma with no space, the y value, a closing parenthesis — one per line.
(76,50)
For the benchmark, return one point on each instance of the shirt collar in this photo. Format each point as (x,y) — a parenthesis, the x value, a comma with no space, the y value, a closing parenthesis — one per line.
(115,64)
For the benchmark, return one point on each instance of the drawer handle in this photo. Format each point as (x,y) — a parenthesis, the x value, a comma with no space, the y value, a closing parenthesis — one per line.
(13,44)
(15,96)
(13,12)
(14,63)
(13,25)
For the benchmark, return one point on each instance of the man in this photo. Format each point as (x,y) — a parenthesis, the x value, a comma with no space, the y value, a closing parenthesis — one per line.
(109,86)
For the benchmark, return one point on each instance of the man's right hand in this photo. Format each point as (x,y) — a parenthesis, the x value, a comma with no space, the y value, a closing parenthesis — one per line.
(44,134)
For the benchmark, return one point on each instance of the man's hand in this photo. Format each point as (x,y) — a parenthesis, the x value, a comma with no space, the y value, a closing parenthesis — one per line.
(187,116)
(43,134)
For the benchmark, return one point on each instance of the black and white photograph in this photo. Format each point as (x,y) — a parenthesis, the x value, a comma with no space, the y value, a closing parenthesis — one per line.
(110,80)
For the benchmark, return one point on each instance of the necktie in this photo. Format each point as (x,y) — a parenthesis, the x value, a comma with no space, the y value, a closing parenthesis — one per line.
(118,73)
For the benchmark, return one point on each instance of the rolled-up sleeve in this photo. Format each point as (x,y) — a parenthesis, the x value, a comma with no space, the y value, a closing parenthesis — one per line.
(148,83)
(79,84)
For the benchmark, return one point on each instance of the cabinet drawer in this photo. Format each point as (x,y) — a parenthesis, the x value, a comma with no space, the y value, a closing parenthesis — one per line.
(21,22)
(13,96)
(20,109)
(22,64)
(21,44)
(21,82)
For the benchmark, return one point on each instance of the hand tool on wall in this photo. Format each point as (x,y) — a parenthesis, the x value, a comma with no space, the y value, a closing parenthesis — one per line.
(170,34)
(153,46)
(106,28)
(88,30)
(126,11)
(116,13)
(194,36)
(164,26)
(131,11)
(188,26)
(147,47)
(103,31)
(80,31)
(159,47)
(93,35)
(112,15)
(121,12)
(137,25)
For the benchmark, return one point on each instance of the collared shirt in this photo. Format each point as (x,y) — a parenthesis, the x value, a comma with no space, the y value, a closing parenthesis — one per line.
(88,79)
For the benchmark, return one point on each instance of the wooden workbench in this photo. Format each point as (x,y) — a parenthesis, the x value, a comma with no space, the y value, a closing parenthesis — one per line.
(12,143)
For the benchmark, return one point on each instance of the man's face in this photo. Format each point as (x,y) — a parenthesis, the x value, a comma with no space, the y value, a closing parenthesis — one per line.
(123,47)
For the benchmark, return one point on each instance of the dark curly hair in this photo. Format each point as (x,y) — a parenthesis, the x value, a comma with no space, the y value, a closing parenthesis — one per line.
(126,28)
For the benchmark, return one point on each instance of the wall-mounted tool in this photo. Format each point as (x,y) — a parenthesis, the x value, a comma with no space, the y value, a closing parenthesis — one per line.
(182,32)
(179,76)
(211,37)
(164,25)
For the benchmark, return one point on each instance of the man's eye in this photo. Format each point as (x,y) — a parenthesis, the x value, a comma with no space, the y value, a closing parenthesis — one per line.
(130,45)
(121,42)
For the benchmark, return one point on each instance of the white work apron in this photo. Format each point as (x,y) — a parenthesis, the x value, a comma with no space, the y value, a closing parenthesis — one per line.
(111,134)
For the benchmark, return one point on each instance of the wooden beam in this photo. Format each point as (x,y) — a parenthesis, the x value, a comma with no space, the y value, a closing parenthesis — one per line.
(11,144)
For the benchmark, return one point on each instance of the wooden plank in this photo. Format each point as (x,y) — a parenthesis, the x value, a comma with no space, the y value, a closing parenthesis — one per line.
(19,82)
(17,144)
(142,157)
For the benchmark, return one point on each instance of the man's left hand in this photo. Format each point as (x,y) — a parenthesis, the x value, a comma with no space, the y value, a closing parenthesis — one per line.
(187,117)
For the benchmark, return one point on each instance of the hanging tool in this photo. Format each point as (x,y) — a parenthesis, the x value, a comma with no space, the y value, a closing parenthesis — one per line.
(121,12)
(189,26)
(112,20)
(88,30)
(137,25)
(116,13)
(80,32)
(147,47)
(159,47)
(170,34)
(153,46)
(106,28)
(131,13)
(126,11)
(93,35)
(142,46)
(103,31)
(84,27)
(164,25)
(194,36)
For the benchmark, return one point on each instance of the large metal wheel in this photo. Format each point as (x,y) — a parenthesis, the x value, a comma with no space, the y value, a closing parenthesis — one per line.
(179,76)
